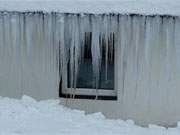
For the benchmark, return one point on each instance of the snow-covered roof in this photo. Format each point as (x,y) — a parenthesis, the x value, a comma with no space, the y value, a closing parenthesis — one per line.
(147,7)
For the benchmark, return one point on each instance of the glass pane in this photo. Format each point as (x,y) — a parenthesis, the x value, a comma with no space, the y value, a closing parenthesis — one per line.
(107,69)
(85,74)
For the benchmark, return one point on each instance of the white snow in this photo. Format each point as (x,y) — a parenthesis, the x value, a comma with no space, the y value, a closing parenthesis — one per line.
(168,7)
(30,117)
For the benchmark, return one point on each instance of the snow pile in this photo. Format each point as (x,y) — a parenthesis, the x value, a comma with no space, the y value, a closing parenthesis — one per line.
(28,116)
(170,7)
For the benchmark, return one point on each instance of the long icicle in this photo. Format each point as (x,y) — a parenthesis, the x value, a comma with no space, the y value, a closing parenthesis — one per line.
(95,51)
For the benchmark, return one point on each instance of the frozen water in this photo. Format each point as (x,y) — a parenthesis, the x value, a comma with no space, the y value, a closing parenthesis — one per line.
(36,47)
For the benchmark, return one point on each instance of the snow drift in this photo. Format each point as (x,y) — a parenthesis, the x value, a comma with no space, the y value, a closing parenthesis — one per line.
(30,117)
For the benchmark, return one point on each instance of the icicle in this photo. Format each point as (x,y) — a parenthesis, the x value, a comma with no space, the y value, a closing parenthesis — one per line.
(177,40)
(95,50)
(113,32)
(62,56)
(78,51)
(147,38)
(75,52)
(72,54)
(106,36)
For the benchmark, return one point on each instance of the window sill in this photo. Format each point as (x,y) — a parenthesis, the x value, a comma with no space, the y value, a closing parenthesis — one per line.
(91,97)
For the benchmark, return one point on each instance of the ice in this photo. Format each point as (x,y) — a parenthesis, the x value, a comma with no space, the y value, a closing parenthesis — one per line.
(95,48)
(36,48)
(29,54)
(177,40)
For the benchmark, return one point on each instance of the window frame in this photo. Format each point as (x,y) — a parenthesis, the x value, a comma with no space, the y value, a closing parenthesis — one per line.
(86,92)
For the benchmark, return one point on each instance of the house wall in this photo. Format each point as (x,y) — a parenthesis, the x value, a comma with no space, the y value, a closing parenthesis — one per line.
(148,73)
(147,62)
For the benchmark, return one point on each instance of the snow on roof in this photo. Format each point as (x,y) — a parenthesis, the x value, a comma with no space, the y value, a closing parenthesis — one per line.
(147,7)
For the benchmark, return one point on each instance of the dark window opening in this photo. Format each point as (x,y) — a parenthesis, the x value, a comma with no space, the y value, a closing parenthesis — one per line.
(85,81)
(85,74)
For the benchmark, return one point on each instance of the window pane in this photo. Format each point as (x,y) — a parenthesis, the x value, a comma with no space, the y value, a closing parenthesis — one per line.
(85,74)
(107,69)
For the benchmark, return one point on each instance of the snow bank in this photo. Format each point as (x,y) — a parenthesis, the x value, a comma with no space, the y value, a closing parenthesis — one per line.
(30,117)
(149,7)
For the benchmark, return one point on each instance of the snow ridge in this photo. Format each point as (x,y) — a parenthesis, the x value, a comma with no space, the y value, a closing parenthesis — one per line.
(146,7)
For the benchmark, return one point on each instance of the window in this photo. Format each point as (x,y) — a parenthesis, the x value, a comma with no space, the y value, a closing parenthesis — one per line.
(85,83)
